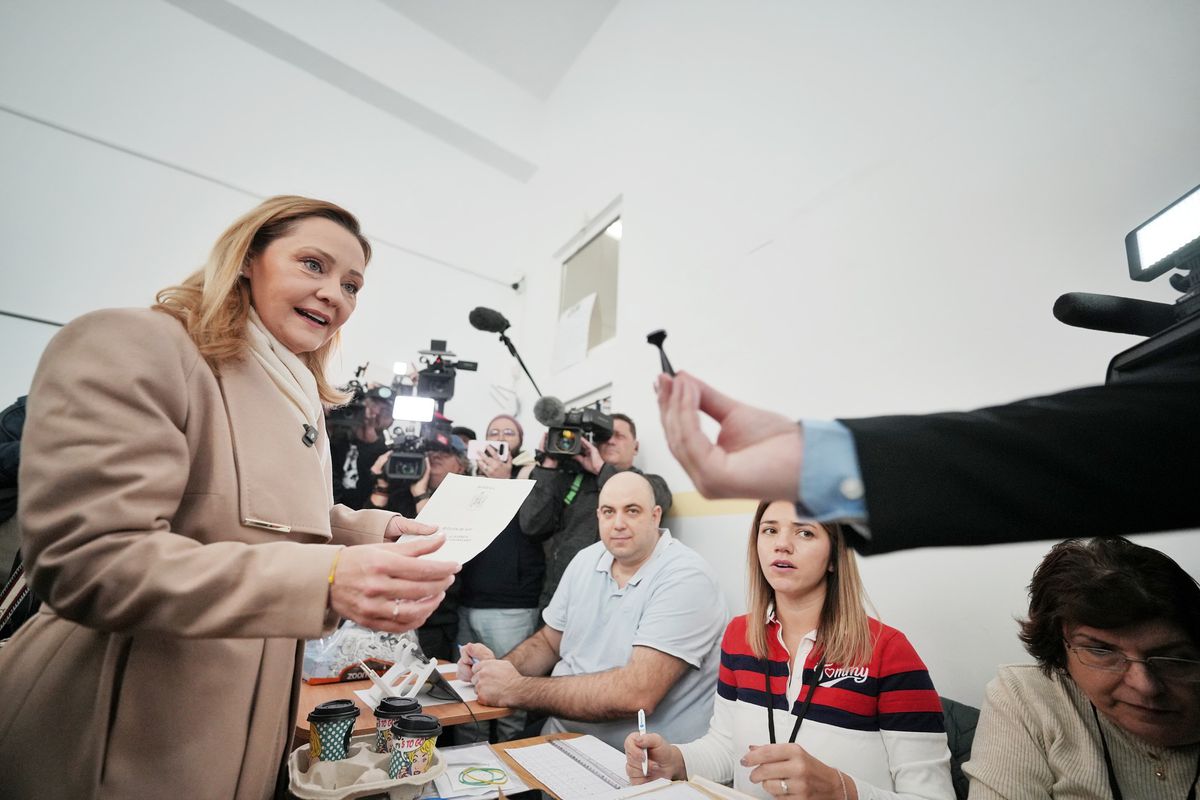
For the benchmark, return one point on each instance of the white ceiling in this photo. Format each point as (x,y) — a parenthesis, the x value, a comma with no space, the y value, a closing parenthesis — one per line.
(531,42)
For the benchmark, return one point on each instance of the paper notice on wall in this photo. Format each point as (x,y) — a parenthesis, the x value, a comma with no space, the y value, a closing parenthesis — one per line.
(571,339)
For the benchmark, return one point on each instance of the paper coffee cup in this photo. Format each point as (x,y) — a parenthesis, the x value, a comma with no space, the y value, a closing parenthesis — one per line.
(389,710)
(330,725)
(413,738)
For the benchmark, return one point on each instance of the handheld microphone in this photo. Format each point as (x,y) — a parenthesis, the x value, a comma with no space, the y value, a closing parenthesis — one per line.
(1106,312)
(486,319)
(549,411)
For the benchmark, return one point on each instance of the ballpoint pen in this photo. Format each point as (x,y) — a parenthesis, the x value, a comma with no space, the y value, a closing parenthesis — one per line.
(645,752)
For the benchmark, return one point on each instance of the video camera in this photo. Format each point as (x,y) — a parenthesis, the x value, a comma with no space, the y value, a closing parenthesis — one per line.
(568,428)
(343,419)
(1170,240)
(435,382)
(579,423)
(406,461)
(436,379)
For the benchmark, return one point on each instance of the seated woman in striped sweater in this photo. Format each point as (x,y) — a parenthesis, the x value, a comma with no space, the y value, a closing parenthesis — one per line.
(848,710)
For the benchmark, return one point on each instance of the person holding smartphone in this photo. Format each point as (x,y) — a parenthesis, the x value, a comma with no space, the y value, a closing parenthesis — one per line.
(501,586)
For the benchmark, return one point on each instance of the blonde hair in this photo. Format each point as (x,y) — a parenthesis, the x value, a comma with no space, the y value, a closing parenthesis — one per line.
(843,632)
(213,303)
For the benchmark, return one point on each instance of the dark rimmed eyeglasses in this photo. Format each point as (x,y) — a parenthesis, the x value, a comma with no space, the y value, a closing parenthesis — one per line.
(1184,670)
(498,432)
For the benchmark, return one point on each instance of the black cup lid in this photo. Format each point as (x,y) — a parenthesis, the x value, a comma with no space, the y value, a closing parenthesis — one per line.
(333,709)
(417,725)
(395,707)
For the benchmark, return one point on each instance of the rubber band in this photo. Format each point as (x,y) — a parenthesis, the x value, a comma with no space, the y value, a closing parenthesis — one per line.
(495,776)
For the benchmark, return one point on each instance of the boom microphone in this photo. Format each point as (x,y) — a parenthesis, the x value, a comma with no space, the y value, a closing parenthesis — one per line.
(486,319)
(1106,312)
(549,411)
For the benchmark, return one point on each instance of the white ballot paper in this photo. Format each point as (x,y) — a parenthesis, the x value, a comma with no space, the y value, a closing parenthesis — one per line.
(471,512)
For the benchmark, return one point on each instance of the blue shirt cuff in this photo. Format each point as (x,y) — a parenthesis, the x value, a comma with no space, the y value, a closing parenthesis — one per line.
(831,486)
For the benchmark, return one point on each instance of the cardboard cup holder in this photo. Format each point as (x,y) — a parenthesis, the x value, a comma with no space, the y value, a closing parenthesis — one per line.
(363,772)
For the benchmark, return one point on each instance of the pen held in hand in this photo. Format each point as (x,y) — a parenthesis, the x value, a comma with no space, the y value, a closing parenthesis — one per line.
(645,751)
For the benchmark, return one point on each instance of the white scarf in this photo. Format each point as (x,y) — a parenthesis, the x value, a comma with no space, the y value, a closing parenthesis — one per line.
(292,378)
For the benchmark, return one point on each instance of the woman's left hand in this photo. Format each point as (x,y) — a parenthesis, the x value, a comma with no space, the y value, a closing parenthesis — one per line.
(787,770)
(399,526)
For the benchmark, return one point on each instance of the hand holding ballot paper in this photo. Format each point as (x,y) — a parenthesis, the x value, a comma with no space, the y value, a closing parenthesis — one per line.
(470,512)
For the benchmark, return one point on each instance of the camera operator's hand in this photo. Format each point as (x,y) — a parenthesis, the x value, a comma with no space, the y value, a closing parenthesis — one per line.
(421,485)
(548,462)
(590,459)
(757,452)
(380,463)
(489,465)
(402,526)
(386,587)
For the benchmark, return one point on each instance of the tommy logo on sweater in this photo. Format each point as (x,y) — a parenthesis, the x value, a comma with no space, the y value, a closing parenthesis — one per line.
(832,675)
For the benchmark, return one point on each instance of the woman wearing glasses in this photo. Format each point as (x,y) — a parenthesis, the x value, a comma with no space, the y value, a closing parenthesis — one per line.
(1112,708)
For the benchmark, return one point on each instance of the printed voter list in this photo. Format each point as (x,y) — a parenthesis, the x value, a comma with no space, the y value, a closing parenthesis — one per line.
(471,512)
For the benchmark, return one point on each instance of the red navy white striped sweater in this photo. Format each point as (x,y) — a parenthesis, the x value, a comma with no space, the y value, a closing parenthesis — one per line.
(879,723)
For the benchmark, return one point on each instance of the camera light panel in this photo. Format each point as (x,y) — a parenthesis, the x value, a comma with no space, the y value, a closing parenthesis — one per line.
(1166,239)
(413,409)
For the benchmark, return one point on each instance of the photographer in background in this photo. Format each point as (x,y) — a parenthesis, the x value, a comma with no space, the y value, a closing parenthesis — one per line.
(561,509)
(353,452)
(500,587)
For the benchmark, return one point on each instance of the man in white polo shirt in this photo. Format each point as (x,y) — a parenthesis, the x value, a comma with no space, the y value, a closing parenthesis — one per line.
(635,623)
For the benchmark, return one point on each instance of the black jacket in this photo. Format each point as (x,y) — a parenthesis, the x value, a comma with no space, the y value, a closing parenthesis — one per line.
(1114,459)
(508,574)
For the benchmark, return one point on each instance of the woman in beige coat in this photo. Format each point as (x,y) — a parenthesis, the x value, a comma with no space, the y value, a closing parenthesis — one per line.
(177,510)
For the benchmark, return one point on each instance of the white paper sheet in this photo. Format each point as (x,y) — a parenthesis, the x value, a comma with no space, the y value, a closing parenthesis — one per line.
(571,339)
(450,785)
(471,512)
(574,768)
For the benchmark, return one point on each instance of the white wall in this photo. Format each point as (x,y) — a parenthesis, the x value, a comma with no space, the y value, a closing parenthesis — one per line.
(865,208)
(87,225)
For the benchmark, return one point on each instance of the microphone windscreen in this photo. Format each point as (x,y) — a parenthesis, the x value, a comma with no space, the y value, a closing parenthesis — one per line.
(486,319)
(1106,312)
(549,411)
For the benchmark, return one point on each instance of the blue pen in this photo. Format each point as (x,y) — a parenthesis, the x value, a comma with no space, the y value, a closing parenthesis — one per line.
(645,751)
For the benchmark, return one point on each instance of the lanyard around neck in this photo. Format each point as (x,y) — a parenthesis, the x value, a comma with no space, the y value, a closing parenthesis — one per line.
(1113,786)
(803,709)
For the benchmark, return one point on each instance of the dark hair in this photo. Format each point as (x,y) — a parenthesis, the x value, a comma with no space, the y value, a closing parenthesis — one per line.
(1106,582)
(625,417)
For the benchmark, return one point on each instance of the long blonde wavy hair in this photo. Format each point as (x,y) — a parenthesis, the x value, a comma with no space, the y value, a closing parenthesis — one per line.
(843,632)
(213,303)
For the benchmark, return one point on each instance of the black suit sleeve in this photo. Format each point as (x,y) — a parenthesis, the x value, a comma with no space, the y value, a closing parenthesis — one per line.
(1113,459)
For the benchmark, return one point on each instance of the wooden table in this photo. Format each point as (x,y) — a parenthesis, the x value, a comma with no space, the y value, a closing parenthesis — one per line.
(447,713)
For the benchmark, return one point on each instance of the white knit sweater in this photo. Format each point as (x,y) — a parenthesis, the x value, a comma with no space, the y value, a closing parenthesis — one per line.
(1037,739)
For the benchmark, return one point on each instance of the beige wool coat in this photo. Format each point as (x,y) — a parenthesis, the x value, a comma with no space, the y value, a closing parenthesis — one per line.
(180,533)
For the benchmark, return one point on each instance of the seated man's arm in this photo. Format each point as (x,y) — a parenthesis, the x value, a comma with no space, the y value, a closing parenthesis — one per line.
(612,694)
(538,654)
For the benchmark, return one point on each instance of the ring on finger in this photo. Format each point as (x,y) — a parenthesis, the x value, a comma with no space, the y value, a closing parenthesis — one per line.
(396,609)
(783,785)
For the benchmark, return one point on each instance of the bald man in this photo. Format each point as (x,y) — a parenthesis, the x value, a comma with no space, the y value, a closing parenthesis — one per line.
(635,623)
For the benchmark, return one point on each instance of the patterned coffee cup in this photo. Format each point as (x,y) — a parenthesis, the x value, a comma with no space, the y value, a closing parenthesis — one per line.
(389,710)
(413,738)
(329,728)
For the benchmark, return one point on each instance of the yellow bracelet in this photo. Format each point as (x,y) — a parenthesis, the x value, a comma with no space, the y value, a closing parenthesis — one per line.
(333,567)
